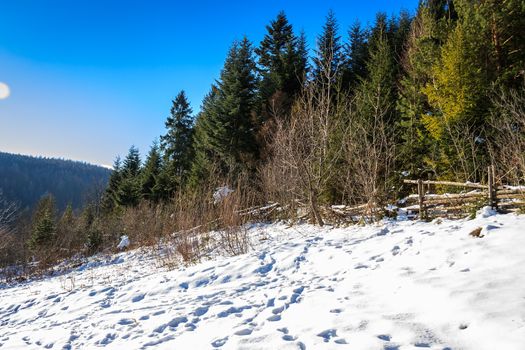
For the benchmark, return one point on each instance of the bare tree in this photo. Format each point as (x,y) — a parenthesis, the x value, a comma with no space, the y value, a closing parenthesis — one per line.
(369,151)
(307,147)
(8,213)
(8,216)
(507,141)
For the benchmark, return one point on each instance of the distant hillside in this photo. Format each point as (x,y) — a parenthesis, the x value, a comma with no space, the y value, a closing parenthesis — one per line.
(26,179)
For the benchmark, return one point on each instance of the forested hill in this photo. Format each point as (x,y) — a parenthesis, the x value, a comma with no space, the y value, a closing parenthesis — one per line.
(25,179)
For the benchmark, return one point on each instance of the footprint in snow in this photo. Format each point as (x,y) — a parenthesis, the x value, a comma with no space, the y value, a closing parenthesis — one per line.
(327,334)
(107,339)
(391,347)
(395,250)
(296,294)
(278,310)
(245,331)
(126,321)
(283,330)
(200,311)
(422,345)
(219,342)
(360,266)
(176,321)
(138,297)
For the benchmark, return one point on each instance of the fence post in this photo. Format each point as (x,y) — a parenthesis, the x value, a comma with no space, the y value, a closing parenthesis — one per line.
(492,192)
(421,194)
(492,200)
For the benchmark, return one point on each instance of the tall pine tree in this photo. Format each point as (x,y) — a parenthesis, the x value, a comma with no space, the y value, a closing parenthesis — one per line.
(418,152)
(128,193)
(282,65)
(226,129)
(150,174)
(44,230)
(355,57)
(177,144)
(328,56)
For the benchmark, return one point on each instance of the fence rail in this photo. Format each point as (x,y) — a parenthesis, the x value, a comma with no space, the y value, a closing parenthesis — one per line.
(501,197)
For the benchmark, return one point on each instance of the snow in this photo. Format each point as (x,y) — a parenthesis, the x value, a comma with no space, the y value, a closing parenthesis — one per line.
(393,285)
(124,243)
(486,212)
(221,193)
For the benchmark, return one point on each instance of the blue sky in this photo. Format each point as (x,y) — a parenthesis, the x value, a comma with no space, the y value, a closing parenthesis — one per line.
(89,78)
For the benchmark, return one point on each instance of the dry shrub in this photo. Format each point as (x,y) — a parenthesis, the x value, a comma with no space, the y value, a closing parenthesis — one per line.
(307,149)
(369,158)
(507,131)
(197,226)
(143,224)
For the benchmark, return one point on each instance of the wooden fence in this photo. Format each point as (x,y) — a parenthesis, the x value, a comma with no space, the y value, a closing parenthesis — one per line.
(455,200)
(425,204)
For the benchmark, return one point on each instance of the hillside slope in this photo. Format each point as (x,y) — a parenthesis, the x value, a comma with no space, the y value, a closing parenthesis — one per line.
(25,179)
(395,285)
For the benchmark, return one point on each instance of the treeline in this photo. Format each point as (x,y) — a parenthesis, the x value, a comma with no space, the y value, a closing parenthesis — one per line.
(25,180)
(423,96)
(436,95)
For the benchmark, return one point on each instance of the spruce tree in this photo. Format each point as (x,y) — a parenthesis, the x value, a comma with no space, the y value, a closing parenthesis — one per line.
(281,64)
(128,192)
(380,83)
(328,56)
(150,174)
(356,57)
(109,200)
(43,232)
(204,159)
(418,151)
(227,127)
(458,92)
(177,144)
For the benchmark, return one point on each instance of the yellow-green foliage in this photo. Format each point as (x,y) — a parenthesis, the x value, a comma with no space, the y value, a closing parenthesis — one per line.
(458,80)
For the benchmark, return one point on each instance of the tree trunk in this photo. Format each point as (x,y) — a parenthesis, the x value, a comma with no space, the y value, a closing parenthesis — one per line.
(315,209)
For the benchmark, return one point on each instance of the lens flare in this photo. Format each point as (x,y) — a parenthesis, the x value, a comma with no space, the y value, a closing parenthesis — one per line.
(4,91)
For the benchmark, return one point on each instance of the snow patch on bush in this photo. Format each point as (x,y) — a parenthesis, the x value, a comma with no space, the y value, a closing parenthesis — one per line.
(124,242)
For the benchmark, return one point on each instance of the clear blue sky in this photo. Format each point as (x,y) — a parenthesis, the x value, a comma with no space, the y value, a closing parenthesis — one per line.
(89,78)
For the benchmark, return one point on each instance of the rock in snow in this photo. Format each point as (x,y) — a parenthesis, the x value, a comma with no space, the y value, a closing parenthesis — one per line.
(419,286)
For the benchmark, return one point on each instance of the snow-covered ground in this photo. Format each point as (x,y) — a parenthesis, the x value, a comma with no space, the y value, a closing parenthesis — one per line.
(395,285)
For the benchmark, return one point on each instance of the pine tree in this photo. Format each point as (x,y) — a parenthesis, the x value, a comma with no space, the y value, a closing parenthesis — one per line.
(67,233)
(67,218)
(203,162)
(43,231)
(356,56)
(505,21)
(458,93)
(418,151)
(281,64)
(177,144)
(131,164)
(109,200)
(89,226)
(381,81)
(227,127)
(150,174)
(328,56)
(371,135)
(128,192)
